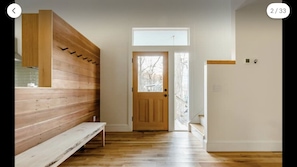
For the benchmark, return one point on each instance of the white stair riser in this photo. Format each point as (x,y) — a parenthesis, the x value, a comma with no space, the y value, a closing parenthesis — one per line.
(202,120)
(197,134)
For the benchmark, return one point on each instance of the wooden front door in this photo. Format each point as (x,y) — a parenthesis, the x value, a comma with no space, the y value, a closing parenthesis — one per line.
(150,91)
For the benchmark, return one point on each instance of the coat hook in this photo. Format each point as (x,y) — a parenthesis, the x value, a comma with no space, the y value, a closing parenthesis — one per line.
(73,52)
(79,55)
(85,58)
(64,48)
(89,60)
(94,62)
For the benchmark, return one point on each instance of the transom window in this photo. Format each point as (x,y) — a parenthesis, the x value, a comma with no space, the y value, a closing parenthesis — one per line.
(160,36)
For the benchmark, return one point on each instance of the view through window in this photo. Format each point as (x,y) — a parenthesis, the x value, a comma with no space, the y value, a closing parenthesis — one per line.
(181,90)
(160,36)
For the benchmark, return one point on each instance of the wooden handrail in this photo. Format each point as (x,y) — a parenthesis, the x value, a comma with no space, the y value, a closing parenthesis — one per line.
(221,62)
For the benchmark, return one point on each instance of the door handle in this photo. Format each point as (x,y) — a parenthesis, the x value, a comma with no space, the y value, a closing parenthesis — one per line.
(165,95)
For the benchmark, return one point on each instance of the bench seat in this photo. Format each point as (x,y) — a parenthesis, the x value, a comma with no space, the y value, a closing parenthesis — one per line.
(57,149)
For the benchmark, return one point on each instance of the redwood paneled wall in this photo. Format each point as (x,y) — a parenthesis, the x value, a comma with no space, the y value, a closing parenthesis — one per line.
(78,65)
(74,95)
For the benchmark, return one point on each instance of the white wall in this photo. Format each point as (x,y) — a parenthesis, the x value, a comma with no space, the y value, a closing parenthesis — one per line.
(108,24)
(244,101)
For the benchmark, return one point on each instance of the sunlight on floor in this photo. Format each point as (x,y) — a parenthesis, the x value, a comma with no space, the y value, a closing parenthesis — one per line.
(180,126)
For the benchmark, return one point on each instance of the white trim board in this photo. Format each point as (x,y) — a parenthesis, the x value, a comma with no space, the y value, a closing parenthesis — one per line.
(243,146)
(118,128)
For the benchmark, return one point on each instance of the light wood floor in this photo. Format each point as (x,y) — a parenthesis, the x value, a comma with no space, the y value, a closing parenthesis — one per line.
(163,149)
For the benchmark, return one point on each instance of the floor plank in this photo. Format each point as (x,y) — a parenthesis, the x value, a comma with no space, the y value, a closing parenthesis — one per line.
(163,149)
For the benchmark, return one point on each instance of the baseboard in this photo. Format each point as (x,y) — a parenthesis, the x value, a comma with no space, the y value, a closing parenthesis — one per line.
(243,146)
(117,128)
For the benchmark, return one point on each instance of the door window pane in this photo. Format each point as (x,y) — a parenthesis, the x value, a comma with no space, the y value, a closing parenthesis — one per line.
(150,74)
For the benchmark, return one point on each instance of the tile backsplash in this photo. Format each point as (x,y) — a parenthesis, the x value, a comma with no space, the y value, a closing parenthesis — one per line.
(24,76)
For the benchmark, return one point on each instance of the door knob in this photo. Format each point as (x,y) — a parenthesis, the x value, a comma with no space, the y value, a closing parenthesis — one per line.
(165,95)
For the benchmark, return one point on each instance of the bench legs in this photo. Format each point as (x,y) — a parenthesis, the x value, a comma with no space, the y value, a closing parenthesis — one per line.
(103,137)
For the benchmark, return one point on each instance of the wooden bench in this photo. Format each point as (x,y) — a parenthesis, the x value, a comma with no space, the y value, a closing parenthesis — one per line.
(57,149)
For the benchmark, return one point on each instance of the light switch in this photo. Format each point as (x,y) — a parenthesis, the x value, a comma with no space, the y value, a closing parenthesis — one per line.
(247,61)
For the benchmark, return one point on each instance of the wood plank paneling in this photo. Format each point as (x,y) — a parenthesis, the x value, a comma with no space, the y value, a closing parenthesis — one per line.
(33,117)
(67,68)
(46,101)
(76,66)
(69,91)
(63,75)
(36,139)
(50,111)
(67,36)
(24,93)
(40,127)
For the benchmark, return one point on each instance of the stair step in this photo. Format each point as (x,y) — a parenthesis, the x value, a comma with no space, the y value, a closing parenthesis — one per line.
(198,127)
(197,130)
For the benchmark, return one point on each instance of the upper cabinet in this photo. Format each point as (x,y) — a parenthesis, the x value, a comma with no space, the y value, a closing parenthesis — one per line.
(30,40)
